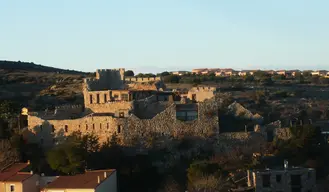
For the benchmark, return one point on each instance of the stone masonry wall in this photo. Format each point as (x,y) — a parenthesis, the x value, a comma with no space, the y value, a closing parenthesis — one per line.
(40,130)
(282,133)
(142,79)
(165,124)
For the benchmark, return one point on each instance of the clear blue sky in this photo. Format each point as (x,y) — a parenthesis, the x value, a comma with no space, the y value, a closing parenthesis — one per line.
(149,35)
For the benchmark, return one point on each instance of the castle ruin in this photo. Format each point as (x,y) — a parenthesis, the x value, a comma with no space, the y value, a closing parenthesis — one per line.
(123,106)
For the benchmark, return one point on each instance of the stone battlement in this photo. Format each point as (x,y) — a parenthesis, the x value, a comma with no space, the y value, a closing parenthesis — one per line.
(64,107)
(106,79)
(109,70)
(203,88)
(142,79)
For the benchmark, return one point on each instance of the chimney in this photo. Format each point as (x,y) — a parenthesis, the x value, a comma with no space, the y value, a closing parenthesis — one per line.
(105,175)
(98,180)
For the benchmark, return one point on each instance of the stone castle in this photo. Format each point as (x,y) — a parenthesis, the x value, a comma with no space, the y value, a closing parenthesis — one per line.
(132,108)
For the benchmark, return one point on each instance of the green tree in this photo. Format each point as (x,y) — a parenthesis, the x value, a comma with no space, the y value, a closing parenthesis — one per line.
(129,73)
(165,73)
(204,176)
(67,158)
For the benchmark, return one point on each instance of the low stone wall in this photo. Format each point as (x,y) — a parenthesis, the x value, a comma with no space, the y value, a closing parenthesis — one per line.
(282,133)
(247,142)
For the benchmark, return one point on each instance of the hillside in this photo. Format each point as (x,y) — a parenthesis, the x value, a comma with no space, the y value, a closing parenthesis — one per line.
(25,66)
(38,86)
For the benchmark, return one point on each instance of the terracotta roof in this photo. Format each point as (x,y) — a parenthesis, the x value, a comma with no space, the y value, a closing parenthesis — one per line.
(88,180)
(12,173)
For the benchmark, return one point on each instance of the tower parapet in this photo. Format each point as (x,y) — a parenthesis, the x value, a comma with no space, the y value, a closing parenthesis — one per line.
(106,79)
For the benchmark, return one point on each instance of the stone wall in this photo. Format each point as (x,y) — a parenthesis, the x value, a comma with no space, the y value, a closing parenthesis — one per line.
(201,93)
(247,142)
(106,79)
(282,133)
(129,128)
(111,107)
(142,79)
(49,132)
(308,180)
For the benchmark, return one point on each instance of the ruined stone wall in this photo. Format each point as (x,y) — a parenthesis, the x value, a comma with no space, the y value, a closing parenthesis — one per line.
(166,124)
(128,129)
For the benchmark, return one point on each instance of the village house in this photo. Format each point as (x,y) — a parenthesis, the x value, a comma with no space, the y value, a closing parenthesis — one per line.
(180,73)
(287,179)
(90,181)
(198,71)
(18,177)
(321,73)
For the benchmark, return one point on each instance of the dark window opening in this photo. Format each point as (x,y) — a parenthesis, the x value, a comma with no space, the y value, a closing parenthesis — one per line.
(193,97)
(270,136)
(124,97)
(296,180)
(90,99)
(187,115)
(86,127)
(12,188)
(100,126)
(278,178)
(105,98)
(93,126)
(266,181)
(52,128)
(107,126)
(121,114)
(116,96)
(119,129)
(97,98)
(66,128)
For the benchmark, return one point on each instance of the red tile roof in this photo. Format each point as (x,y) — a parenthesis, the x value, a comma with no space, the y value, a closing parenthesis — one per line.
(88,180)
(12,173)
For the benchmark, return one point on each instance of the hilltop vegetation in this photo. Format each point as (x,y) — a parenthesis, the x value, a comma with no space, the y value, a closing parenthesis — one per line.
(34,85)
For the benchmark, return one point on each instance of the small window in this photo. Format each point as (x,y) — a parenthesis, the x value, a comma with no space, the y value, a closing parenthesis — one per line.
(66,128)
(121,114)
(100,126)
(97,98)
(93,126)
(266,181)
(90,99)
(278,178)
(107,125)
(105,98)
(12,188)
(119,129)
(124,97)
(86,126)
